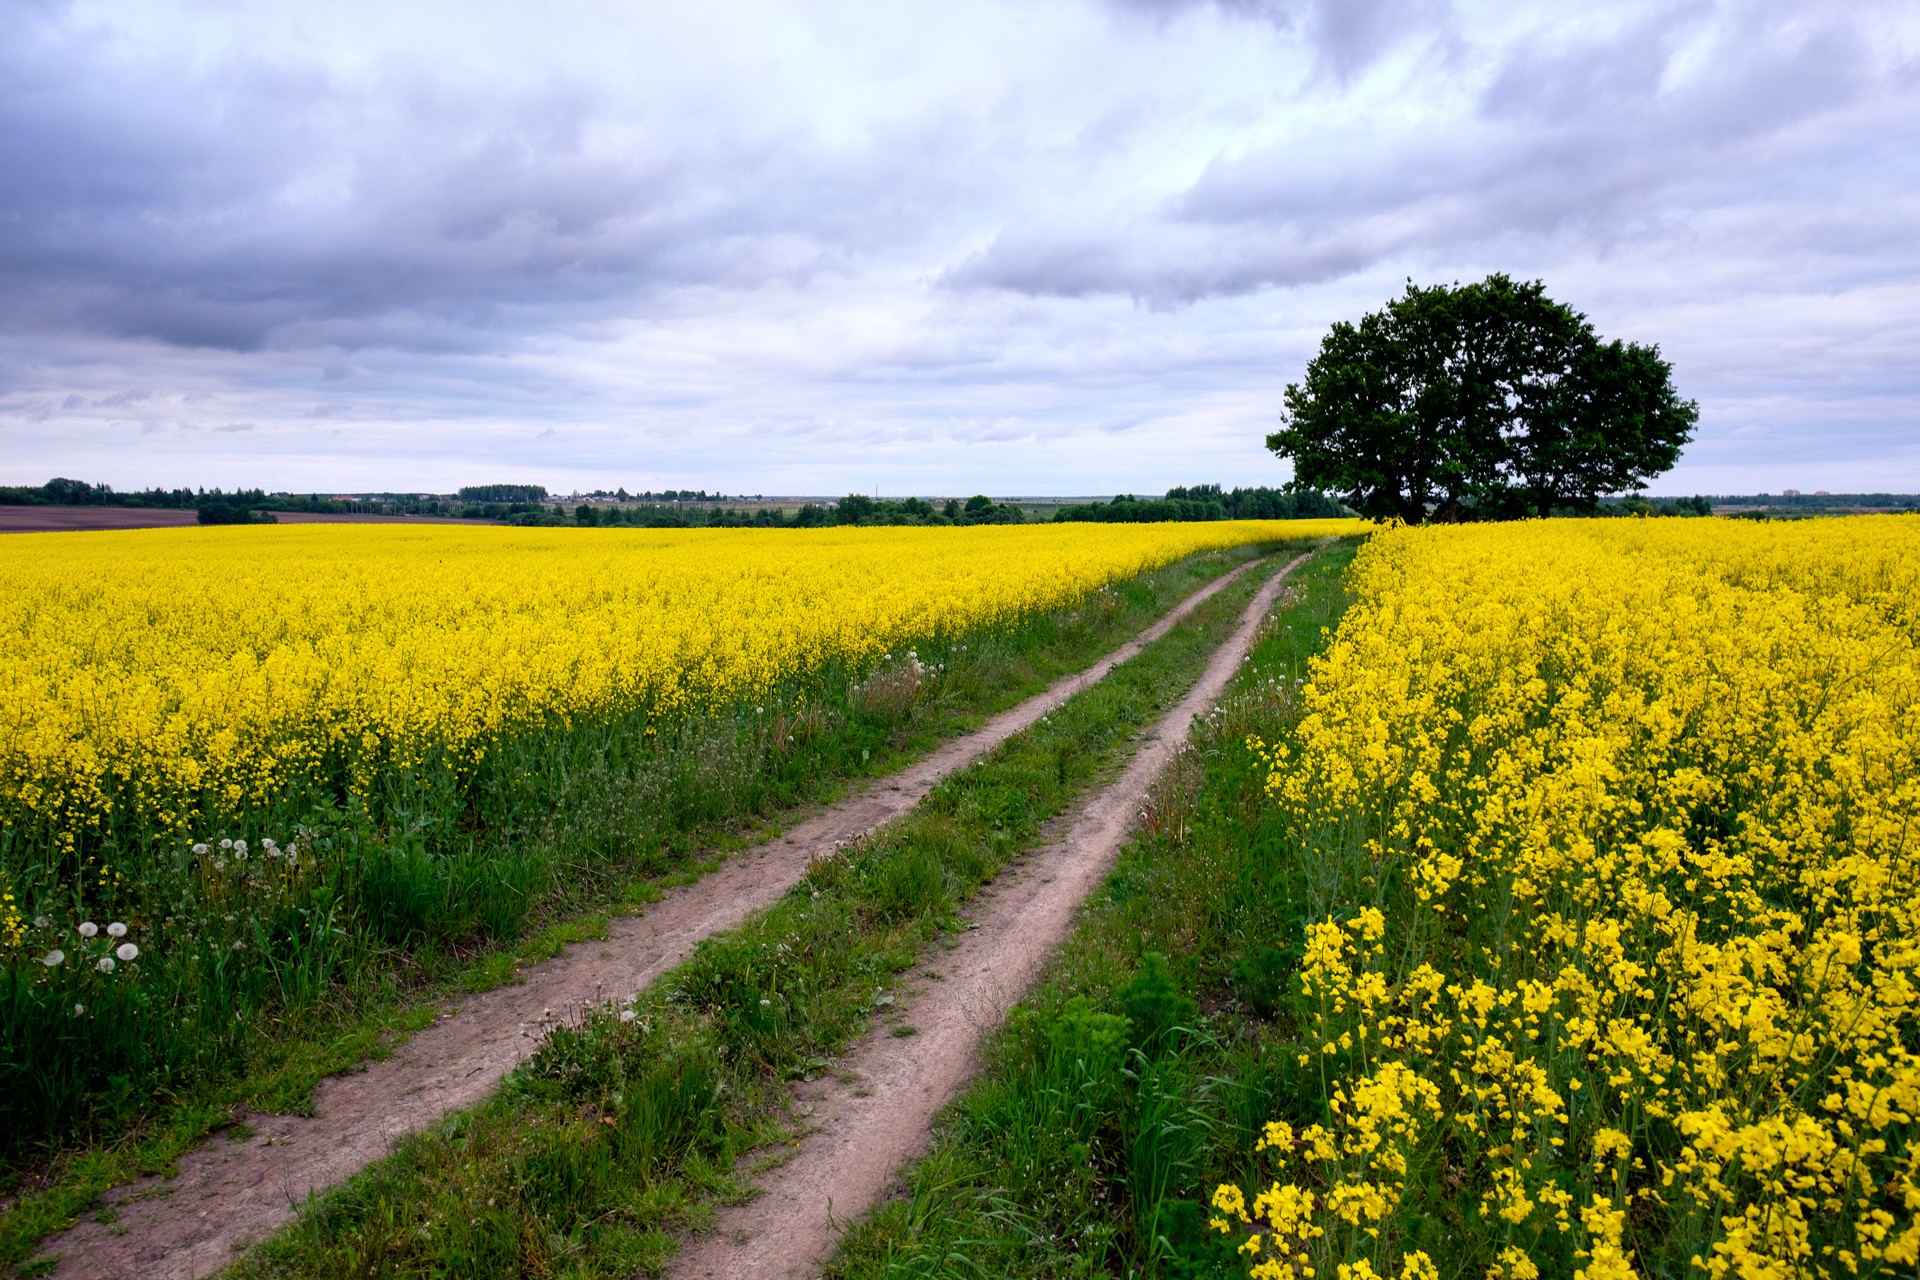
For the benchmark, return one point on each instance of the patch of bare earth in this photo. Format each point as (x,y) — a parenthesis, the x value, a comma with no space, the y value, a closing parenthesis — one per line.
(95,519)
(228,1195)
(351,517)
(872,1117)
(82,519)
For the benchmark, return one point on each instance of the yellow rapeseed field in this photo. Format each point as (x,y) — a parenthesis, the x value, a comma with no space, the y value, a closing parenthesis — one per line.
(175,672)
(1617,970)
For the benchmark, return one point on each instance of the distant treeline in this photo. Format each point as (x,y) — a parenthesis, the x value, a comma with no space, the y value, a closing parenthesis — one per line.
(61,492)
(1208,502)
(503,492)
(530,504)
(854,509)
(1819,502)
(217,506)
(1636,505)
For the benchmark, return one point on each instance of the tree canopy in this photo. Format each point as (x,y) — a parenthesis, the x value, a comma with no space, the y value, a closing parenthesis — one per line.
(1206,502)
(1486,400)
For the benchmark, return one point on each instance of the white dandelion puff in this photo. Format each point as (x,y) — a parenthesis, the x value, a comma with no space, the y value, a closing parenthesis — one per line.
(116,930)
(53,958)
(41,922)
(126,951)
(200,850)
(79,1011)
(628,1015)
(88,928)
(226,844)
(105,964)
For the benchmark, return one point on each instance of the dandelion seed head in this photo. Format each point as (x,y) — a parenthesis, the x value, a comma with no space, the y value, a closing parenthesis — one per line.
(200,850)
(105,964)
(226,844)
(116,930)
(41,922)
(88,928)
(628,1015)
(53,958)
(79,1010)
(126,951)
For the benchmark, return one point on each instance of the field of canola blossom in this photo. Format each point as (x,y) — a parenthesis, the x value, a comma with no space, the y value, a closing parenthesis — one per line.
(238,764)
(174,677)
(1614,971)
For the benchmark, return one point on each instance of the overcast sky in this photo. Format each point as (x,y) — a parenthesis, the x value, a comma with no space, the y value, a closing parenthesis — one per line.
(1054,246)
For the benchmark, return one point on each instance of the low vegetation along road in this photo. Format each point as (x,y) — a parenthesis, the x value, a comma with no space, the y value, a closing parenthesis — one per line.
(871,1115)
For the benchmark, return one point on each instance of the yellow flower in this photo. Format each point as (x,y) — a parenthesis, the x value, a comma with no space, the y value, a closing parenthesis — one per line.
(159,674)
(1651,790)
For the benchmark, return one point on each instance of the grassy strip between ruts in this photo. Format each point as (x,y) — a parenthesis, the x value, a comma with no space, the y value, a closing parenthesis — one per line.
(630,1124)
(1140,1074)
(613,865)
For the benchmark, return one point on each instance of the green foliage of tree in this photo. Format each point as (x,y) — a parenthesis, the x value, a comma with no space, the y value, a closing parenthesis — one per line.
(1486,400)
(222,513)
(859,509)
(1206,502)
(856,508)
(503,492)
(62,492)
(1635,505)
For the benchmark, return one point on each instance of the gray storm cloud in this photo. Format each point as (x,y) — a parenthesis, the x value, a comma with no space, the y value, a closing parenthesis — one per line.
(426,236)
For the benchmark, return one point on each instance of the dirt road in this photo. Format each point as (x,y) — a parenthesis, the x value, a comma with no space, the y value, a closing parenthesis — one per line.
(866,1129)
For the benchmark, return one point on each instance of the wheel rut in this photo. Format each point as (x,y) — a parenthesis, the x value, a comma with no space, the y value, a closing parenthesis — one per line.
(874,1116)
(228,1195)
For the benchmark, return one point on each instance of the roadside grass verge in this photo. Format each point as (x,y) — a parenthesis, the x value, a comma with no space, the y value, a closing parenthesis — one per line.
(631,1121)
(612,832)
(1140,1074)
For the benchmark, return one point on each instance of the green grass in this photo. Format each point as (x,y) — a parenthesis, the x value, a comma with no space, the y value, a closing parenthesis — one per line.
(627,1128)
(1137,1077)
(600,832)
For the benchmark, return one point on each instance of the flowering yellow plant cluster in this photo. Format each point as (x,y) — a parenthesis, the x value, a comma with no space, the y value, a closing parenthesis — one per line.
(1617,963)
(167,673)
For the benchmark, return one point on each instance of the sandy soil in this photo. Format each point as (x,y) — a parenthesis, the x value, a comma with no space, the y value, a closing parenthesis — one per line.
(76,519)
(81,519)
(866,1130)
(344,517)
(230,1194)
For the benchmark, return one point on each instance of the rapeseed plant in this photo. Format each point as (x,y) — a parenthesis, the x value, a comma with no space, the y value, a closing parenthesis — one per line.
(1628,955)
(431,722)
(167,677)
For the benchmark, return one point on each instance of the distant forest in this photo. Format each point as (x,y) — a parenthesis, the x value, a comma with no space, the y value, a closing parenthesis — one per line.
(531,504)
(1208,502)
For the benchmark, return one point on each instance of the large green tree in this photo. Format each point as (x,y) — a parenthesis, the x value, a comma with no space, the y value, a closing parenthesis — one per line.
(1479,400)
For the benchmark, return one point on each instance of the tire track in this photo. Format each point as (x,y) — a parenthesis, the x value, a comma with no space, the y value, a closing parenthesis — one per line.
(228,1195)
(865,1131)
